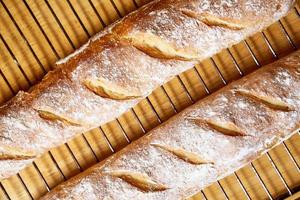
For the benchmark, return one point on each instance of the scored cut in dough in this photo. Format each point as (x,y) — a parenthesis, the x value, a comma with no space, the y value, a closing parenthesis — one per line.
(109,90)
(139,180)
(157,47)
(15,153)
(190,157)
(212,20)
(53,117)
(271,102)
(226,128)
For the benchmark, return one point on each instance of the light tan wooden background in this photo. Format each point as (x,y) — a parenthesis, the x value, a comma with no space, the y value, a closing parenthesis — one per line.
(34,34)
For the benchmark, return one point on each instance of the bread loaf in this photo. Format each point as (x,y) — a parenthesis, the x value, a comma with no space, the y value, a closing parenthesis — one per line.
(121,65)
(190,150)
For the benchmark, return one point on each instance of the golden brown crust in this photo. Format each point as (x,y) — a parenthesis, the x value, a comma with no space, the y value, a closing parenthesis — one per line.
(265,127)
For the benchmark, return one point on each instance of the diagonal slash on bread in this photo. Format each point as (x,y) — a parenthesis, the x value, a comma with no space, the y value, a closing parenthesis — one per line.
(190,157)
(109,90)
(157,47)
(269,101)
(15,153)
(212,20)
(48,115)
(226,128)
(139,180)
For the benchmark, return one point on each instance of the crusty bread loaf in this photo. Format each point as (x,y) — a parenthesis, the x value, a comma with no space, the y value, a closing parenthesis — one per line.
(203,143)
(121,65)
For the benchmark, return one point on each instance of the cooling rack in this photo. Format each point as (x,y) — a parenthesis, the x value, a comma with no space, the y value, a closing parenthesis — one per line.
(37,33)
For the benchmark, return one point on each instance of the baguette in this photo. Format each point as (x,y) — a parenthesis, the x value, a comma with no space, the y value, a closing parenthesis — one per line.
(121,65)
(221,153)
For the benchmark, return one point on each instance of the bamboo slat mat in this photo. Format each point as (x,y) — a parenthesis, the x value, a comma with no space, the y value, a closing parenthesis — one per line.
(34,34)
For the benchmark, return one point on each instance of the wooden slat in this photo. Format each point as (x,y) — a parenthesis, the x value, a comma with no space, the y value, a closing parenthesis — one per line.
(294,197)
(64,27)
(98,143)
(285,165)
(85,156)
